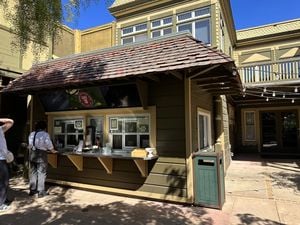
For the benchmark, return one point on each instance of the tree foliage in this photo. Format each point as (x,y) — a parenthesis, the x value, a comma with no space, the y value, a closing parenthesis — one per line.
(38,21)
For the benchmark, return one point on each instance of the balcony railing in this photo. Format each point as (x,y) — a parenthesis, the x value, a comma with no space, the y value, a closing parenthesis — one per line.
(283,70)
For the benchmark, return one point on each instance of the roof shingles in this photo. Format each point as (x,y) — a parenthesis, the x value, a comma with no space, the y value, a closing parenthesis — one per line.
(178,51)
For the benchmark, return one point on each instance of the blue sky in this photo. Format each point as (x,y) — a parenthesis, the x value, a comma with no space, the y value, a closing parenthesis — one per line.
(246,13)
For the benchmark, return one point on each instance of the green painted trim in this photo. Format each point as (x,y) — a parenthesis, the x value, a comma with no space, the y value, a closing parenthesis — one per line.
(193,7)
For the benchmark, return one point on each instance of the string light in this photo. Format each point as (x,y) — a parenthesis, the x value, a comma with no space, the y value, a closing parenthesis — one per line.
(296,89)
(265,89)
(283,96)
(262,94)
(273,94)
(267,99)
(293,100)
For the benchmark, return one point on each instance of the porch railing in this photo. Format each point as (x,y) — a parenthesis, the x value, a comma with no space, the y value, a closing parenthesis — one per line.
(281,70)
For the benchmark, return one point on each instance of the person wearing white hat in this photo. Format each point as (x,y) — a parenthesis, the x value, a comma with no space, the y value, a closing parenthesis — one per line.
(5,156)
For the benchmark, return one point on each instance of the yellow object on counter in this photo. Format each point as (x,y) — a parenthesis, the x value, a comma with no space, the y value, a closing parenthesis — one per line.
(139,152)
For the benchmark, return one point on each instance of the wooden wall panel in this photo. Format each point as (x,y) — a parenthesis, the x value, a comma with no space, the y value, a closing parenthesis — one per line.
(168,174)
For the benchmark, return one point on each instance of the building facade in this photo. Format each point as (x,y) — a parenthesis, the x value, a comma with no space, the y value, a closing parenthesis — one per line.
(268,61)
(142,81)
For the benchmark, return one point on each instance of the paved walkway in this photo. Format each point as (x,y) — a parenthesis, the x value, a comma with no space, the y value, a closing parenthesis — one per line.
(257,192)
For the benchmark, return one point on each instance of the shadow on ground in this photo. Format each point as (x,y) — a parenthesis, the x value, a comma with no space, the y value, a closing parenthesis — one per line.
(57,209)
(251,219)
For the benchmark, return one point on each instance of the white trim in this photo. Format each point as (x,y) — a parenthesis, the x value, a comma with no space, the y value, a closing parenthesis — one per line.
(161,22)
(132,117)
(193,17)
(193,23)
(134,30)
(206,114)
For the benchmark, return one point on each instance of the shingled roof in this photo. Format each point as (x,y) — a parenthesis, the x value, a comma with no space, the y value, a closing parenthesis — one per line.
(175,52)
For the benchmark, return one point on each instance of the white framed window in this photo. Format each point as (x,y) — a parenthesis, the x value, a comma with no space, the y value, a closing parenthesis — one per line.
(197,22)
(249,124)
(161,32)
(204,129)
(67,132)
(134,33)
(128,132)
(161,27)
(162,22)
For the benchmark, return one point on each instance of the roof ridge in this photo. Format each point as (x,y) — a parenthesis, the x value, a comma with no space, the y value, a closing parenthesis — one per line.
(117,47)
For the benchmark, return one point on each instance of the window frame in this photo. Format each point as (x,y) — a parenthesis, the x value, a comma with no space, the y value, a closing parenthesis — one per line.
(162,25)
(67,120)
(193,17)
(206,114)
(193,20)
(245,125)
(125,118)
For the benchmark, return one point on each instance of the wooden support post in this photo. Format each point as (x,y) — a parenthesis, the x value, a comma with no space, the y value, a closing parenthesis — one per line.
(77,160)
(107,163)
(52,160)
(142,165)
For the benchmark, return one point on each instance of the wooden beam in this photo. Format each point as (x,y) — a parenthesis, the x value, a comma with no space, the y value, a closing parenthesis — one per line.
(221,83)
(107,163)
(176,74)
(152,77)
(52,159)
(224,92)
(142,87)
(142,165)
(77,161)
(203,71)
(210,80)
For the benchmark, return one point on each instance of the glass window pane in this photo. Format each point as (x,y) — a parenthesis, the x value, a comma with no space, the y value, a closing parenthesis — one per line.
(59,141)
(203,131)
(203,31)
(130,126)
(130,140)
(167,20)
(184,16)
(141,27)
(141,37)
(202,12)
(127,30)
(71,140)
(127,40)
(119,129)
(186,27)
(250,132)
(144,141)
(156,33)
(70,128)
(167,31)
(117,141)
(156,23)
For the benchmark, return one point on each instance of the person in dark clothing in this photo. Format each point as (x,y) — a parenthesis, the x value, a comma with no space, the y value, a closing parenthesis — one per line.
(4,175)
(39,144)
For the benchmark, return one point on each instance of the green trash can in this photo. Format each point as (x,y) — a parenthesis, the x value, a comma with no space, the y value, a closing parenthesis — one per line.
(209,179)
